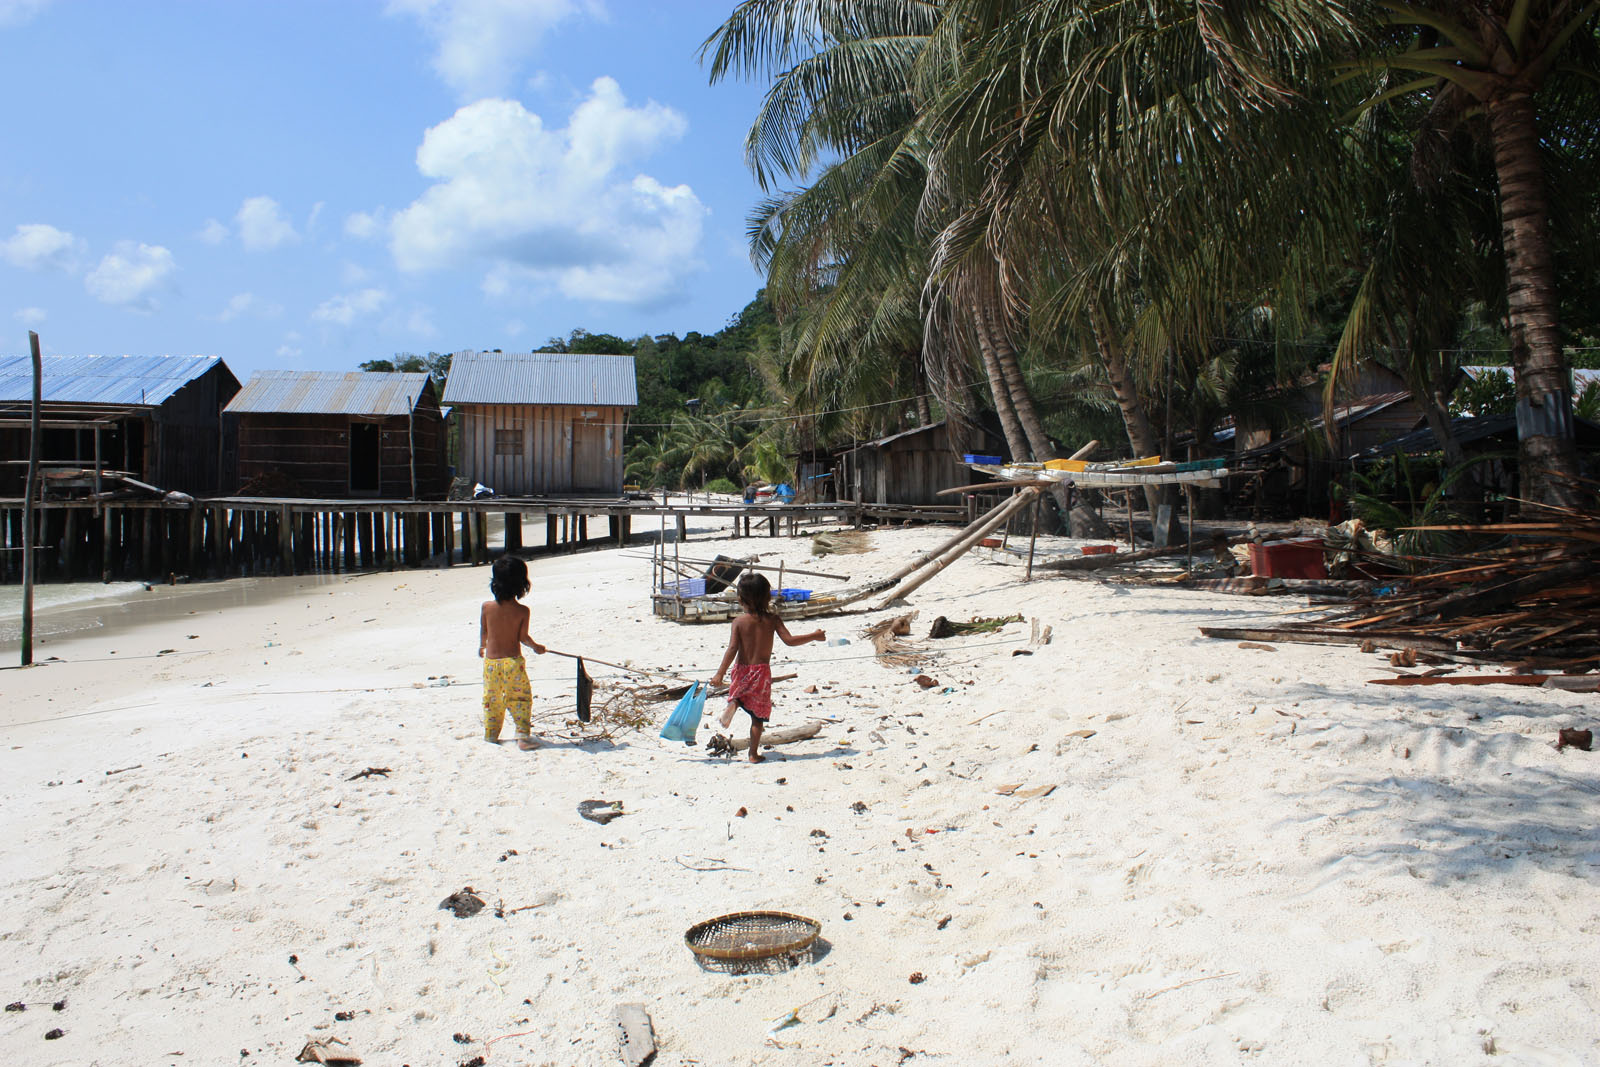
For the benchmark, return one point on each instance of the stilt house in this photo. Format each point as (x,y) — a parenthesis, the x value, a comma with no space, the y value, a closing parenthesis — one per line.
(338,435)
(911,467)
(155,418)
(540,423)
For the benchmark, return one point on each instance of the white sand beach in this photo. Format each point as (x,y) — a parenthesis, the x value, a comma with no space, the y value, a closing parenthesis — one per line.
(1247,856)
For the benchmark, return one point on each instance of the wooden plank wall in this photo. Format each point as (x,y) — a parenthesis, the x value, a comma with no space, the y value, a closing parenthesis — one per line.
(182,444)
(545,463)
(314,450)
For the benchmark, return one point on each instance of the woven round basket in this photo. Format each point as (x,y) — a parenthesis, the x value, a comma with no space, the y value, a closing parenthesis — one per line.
(751,935)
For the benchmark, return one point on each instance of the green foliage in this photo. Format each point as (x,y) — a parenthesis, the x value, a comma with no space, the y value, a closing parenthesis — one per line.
(722,485)
(1491,393)
(434,364)
(1405,493)
(1586,405)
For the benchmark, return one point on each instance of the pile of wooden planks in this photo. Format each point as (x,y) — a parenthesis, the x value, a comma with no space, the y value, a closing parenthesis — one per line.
(1529,597)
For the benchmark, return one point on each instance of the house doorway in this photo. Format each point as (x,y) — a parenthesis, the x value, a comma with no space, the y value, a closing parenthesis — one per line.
(591,467)
(365,442)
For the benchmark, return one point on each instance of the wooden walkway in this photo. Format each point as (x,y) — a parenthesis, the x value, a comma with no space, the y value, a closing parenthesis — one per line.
(161,538)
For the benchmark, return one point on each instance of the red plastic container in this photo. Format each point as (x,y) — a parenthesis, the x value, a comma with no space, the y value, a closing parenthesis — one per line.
(1098,550)
(1288,559)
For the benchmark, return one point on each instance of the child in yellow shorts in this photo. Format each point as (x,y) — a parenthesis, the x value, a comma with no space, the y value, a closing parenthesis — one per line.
(502,631)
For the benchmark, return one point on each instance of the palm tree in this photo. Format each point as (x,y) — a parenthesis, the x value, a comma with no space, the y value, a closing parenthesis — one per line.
(852,243)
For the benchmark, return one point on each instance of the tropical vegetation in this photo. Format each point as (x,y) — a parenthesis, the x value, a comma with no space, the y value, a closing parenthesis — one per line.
(1043,207)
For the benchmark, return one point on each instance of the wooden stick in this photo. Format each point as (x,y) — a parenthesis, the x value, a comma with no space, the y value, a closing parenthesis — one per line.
(1463,679)
(1033,539)
(982,526)
(959,549)
(780,737)
(1315,637)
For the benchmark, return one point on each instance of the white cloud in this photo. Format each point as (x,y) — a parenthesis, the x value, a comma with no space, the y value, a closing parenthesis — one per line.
(290,349)
(483,43)
(316,213)
(30,316)
(363,224)
(130,275)
(213,232)
(263,225)
(249,304)
(38,245)
(354,273)
(16,12)
(420,324)
(548,208)
(345,308)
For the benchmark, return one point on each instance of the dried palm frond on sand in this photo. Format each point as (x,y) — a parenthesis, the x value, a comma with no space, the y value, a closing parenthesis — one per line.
(886,638)
(840,543)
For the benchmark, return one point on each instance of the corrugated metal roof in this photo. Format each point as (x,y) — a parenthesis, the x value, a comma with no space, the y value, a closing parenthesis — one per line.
(290,392)
(541,378)
(126,381)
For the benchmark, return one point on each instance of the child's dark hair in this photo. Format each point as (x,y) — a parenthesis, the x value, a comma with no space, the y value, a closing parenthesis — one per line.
(755,593)
(508,579)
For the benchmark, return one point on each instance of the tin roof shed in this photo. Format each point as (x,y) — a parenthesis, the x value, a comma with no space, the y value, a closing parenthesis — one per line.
(121,381)
(541,378)
(287,392)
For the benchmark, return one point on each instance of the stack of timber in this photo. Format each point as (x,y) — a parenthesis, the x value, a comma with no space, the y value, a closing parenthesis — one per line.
(1531,598)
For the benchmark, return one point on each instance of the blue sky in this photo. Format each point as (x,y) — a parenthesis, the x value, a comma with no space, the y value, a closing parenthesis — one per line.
(313,184)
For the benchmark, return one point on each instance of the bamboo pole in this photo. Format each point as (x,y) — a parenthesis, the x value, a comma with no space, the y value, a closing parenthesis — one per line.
(960,547)
(1004,510)
(28,547)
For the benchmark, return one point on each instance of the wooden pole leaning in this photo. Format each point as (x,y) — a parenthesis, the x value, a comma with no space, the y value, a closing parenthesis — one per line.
(1004,511)
(971,536)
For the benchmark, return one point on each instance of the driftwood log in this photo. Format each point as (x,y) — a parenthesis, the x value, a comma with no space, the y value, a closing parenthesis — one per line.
(787,736)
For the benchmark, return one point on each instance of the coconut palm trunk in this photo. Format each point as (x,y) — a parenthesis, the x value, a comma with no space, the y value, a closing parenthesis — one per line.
(1021,399)
(1010,425)
(1135,419)
(1547,453)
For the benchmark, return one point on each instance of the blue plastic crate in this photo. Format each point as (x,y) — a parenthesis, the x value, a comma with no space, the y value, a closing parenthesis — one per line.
(793,594)
(991,461)
(687,587)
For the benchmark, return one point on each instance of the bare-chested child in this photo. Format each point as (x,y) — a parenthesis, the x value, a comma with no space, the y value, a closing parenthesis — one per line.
(750,653)
(502,631)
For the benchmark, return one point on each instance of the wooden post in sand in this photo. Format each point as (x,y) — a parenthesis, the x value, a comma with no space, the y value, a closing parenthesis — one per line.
(1033,539)
(27,502)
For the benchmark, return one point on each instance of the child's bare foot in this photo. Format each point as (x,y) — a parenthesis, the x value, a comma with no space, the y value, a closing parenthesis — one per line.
(756,757)
(527,744)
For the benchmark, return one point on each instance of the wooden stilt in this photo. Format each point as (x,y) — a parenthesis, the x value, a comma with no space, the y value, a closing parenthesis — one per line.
(108,526)
(549,531)
(164,542)
(69,547)
(513,531)
(285,539)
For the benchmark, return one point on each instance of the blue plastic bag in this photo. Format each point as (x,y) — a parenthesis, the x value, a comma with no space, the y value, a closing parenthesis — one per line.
(685,719)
